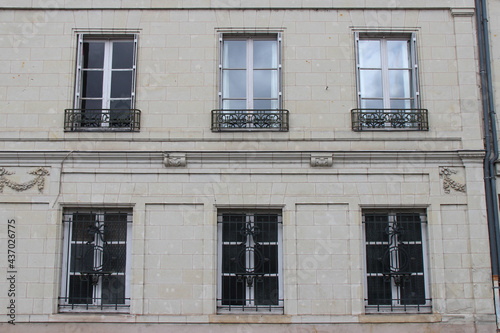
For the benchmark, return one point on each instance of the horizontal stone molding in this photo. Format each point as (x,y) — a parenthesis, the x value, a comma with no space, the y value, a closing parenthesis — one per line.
(158,159)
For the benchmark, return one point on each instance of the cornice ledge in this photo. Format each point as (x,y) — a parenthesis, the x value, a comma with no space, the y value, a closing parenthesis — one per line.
(382,157)
(456,12)
(249,157)
(472,156)
(29,158)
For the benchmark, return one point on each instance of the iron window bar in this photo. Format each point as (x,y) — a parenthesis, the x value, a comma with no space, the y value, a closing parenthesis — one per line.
(119,120)
(389,119)
(250,267)
(250,120)
(395,262)
(95,261)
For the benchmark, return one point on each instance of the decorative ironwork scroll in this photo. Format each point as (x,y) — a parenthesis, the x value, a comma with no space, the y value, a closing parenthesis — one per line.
(249,120)
(389,119)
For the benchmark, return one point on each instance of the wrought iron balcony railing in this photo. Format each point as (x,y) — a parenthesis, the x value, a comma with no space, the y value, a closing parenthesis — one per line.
(250,120)
(389,119)
(121,120)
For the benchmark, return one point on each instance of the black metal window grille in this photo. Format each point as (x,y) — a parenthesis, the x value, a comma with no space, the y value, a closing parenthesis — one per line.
(249,120)
(95,260)
(389,119)
(395,262)
(249,262)
(119,120)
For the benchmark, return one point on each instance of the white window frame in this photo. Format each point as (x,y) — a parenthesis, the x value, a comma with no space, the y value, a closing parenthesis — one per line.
(413,65)
(396,306)
(107,70)
(249,291)
(64,302)
(249,65)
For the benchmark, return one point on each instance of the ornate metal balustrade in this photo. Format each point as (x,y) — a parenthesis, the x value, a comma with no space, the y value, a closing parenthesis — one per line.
(250,120)
(121,120)
(389,119)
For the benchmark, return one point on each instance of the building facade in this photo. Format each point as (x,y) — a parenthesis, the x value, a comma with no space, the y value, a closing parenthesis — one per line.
(233,166)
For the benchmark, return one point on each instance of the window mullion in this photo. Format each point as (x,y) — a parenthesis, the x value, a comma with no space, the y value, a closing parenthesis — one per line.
(106,81)
(384,57)
(250,69)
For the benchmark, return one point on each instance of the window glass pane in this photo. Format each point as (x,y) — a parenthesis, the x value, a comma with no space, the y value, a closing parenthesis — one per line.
(401,104)
(234,54)
(411,258)
(265,104)
(265,54)
(123,55)
(113,289)
(377,259)
(412,226)
(265,84)
(81,222)
(114,257)
(234,258)
(94,104)
(233,227)
(80,290)
(375,226)
(413,290)
(397,52)
(234,84)
(232,104)
(266,259)
(121,84)
(121,104)
(379,290)
(115,227)
(369,54)
(266,226)
(266,290)
(82,258)
(371,83)
(92,83)
(372,104)
(93,55)
(399,81)
(233,290)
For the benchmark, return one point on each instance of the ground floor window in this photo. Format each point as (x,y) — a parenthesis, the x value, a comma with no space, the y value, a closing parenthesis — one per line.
(249,261)
(396,261)
(96,260)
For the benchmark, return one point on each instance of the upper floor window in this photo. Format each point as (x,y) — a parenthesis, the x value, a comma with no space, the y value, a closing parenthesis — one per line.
(96,260)
(387,82)
(250,266)
(250,93)
(105,85)
(396,261)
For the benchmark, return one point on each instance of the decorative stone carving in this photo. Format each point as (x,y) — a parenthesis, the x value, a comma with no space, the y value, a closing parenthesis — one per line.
(175,160)
(39,180)
(321,160)
(449,183)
